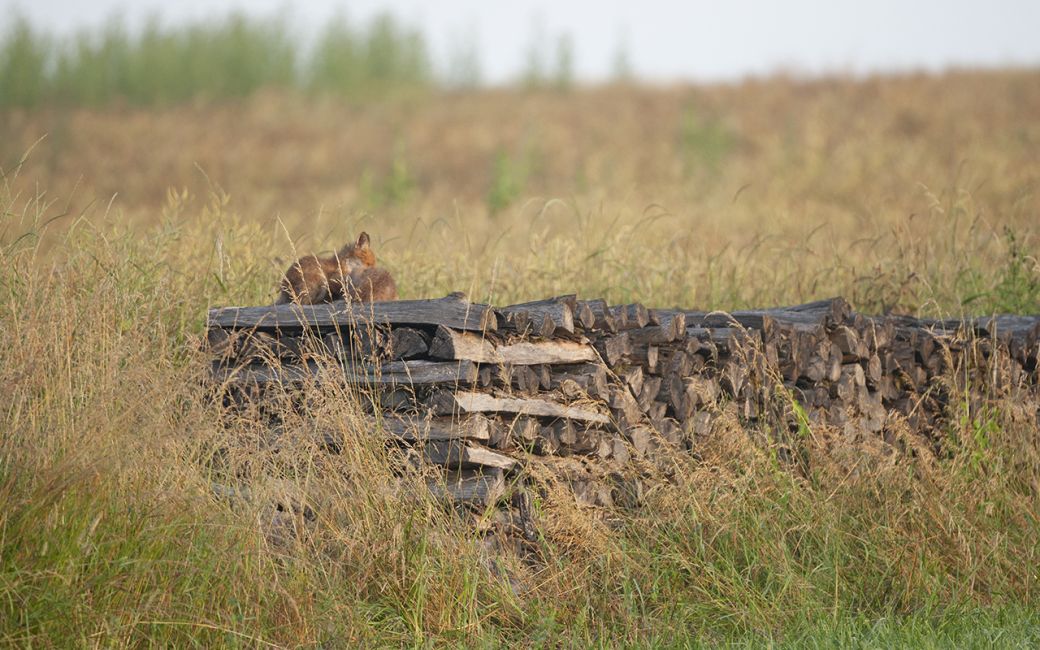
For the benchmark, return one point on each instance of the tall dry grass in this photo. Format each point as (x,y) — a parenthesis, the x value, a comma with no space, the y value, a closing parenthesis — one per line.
(896,192)
(111,533)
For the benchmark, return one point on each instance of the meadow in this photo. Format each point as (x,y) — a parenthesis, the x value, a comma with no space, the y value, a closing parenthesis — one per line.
(123,221)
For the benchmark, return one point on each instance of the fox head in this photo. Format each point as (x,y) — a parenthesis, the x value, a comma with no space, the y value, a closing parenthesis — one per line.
(357,255)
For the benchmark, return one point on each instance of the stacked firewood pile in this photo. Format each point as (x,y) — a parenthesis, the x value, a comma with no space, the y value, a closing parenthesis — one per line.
(588,395)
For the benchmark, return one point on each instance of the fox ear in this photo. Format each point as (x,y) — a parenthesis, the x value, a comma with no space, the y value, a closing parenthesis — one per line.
(362,242)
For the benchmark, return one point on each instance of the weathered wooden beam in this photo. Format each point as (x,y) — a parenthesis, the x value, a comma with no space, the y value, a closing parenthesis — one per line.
(470,402)
(406,373)
(451,312)
(449,344)
(414,428)
(822,313)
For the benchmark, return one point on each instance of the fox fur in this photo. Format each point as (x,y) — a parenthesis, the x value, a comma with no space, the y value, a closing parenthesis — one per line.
(349,274)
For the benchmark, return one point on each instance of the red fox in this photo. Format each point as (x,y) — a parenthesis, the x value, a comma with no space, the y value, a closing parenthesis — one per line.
(349,274)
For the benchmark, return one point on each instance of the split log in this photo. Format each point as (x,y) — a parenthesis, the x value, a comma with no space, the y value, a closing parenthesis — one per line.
(649,392)
(459,454)
(625,406)
(603,318)
(405,373)
(526,380)
(408,343)
(672,327)
(474,427)
(633,378)
(546,352)
(614,348)
(584,317)
(545,318)
(451,312)
(450,344)
(619,314)
(632,316)
(478,488)
(470,402)
(717,341)
(852,347)
(583,379)
(525,428)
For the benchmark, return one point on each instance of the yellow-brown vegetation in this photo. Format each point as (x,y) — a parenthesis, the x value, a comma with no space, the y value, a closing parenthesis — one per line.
(120,226)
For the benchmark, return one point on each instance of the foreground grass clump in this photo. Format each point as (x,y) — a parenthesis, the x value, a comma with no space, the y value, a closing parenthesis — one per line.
(111,534)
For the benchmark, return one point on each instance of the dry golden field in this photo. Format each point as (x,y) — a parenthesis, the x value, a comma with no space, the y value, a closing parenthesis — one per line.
(121,225)
(895,192)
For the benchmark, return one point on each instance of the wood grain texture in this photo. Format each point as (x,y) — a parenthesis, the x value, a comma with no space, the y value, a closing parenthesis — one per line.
(451,312)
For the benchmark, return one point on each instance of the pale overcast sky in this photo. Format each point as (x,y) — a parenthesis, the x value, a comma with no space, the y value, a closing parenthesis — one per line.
(664,40)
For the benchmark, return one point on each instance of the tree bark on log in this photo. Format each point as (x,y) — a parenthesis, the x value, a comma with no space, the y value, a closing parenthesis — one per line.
(450,312)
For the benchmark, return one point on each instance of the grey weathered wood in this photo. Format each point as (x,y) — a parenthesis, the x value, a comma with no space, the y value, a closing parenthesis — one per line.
(624,405)
(822,313)
(528,353)
(457,453)
(525,428)
(671,327)
(603,318)
(645,355)
(619,314)
(545,318)
(851,345)
(450,344)
(471,402)
(450,312)
(480,488)
(584,317)
(406,373)
(614,348)
(635,316)
(582,379)
(720,340)
(408,343)
(633,377)
(649,391)
(526,380)
(413,428)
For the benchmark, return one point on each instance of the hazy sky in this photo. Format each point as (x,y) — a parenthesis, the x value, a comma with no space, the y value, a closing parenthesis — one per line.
(722,39)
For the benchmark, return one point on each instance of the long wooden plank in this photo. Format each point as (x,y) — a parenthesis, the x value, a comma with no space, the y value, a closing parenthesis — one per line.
(451,345)
(470,402)
(406,373)
(472,427)
(822,313)
(529,353)
(451,312)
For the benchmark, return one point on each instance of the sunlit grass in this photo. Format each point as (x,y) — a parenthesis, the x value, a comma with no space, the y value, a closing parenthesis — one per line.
(774,192)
